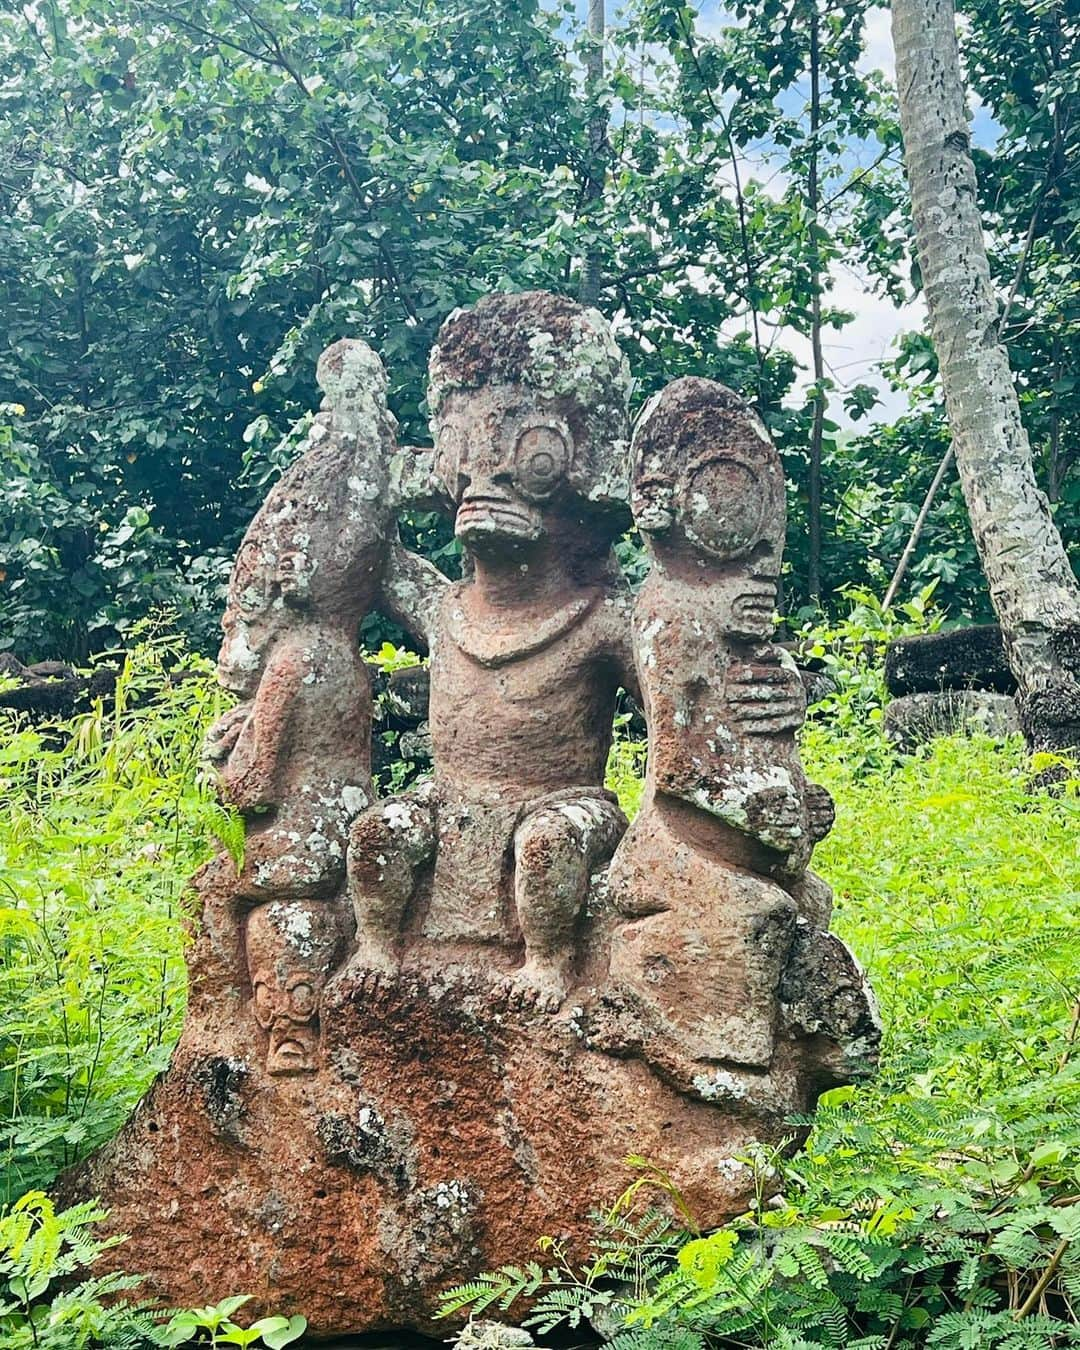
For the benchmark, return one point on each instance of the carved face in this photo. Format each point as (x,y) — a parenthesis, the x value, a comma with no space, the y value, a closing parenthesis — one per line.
(504,457)
(292,947)
(724,502)
(268,582)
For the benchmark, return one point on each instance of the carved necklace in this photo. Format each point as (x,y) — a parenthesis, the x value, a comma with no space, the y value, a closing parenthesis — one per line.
(497,647)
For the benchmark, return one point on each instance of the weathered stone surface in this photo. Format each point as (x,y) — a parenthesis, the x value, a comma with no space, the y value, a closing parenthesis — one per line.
(445,1130)
(712,875)
(959,658)
(407,1058)
(51,689)
(816,685)
(913,720)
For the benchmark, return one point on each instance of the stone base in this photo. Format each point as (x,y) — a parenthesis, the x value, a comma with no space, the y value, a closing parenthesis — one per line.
(442,1135)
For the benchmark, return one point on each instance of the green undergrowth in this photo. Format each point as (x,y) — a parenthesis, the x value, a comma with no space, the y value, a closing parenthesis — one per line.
(937,1206)
(102,821)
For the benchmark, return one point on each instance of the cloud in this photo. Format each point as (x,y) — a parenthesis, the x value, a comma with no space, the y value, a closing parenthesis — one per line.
(853,355)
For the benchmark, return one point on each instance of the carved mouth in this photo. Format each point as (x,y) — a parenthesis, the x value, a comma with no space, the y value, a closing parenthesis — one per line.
(653,519)
(290,1056)
(495,517)
(755,608)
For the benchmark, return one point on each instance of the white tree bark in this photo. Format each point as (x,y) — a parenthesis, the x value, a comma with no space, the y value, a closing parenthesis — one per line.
(591,279)
(1032,586)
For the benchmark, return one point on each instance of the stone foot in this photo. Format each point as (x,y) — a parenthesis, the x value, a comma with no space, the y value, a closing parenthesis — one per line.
(539,986)
(372,968)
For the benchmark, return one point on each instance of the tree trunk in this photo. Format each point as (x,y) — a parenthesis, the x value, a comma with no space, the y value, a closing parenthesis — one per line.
(817,428)
(1032,586)
(591,278)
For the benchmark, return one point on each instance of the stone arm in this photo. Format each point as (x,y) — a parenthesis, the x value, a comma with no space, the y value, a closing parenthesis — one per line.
(249,776)
(412,593)
(729,750)
(768,702)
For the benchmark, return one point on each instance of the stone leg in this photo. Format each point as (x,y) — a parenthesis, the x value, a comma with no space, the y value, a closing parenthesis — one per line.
(388,844)
(557,847)
(707,971)
(705,950)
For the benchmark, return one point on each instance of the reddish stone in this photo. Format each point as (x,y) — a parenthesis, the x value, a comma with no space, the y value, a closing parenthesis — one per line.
(406,1060)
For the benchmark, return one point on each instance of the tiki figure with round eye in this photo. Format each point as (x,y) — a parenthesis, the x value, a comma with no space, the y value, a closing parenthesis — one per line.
(714,865)
(529,400)
(292,948)
(708,497)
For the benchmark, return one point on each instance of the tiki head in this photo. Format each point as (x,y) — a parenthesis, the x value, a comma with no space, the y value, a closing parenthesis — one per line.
(292,947)
(529,415)
(708,491)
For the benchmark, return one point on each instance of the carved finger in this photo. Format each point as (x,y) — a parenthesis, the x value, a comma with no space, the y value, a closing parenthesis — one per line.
(762,675)
(761,726)
(758,712)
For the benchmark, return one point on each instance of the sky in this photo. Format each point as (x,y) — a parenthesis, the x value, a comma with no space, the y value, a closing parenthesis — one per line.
(854,354)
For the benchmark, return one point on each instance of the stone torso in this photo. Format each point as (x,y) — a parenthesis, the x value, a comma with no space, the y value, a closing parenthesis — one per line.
(682,658)
(522,706)
(521,711)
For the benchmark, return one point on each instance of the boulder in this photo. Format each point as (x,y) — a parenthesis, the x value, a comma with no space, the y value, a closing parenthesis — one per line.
(913,720)
(959,658)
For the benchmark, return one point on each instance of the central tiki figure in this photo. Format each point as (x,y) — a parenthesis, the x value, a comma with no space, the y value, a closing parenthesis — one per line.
(528,396)
(424,1031)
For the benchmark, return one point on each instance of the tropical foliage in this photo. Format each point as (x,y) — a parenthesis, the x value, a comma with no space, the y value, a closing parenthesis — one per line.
(197,197)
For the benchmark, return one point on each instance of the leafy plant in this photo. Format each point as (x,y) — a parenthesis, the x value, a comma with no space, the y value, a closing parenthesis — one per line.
(41,1252)
(213,1325)
(104,820)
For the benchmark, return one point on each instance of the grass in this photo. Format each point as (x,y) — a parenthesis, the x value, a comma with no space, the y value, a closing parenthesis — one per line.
(103,821)
(956,888)
(959,891)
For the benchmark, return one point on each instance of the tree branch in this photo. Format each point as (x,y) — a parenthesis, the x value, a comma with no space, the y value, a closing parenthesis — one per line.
(276,56)
(917,528)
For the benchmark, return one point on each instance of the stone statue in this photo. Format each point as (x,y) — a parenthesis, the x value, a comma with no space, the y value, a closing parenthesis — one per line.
(292,948)
(712,870)
(424,1030)
(294,755)
(529,420)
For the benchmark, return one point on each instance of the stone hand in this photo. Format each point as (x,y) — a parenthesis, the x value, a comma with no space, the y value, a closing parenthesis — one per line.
(222,737)
(765,698)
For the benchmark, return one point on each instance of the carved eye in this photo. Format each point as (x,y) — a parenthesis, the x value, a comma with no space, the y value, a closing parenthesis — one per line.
(302,1000)
(725,507)
(541,458)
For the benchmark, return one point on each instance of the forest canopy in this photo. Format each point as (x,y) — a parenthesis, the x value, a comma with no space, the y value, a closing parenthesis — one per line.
(198,197)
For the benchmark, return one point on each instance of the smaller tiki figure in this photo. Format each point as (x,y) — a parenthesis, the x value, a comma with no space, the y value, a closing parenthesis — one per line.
(708,497)
(295,757)
(292,947)
(713,867)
